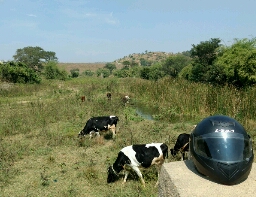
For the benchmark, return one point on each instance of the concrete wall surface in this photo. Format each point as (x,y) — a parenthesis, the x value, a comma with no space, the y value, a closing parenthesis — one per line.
(181,179)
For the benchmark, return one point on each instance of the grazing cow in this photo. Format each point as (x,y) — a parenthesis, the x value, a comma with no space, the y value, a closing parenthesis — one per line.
(82,98)
(97,124)
(181,145)
(109,96)
(135,156)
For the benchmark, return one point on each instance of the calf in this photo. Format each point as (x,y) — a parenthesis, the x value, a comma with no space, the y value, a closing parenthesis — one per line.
(97,124)
(135,156)
(181,145)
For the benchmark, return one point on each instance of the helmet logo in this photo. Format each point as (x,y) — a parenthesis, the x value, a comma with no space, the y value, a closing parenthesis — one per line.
(224,131)
(223,125)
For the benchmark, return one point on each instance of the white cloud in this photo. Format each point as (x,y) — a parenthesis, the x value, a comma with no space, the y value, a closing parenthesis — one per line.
(31,15)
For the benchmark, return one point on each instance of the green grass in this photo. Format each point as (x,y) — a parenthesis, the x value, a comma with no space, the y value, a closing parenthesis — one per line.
(40,154)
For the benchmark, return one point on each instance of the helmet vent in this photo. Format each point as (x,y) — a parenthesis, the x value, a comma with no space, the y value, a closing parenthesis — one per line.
(228,170)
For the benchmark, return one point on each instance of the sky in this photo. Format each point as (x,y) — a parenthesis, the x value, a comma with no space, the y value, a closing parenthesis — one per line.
(88,31)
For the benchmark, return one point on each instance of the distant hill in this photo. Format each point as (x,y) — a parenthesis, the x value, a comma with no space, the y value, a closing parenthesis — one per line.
(81,66)
(135,57)
(149,56)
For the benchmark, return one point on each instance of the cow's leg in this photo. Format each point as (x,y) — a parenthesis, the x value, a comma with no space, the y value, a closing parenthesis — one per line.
(91,132)
(98,133)
(182,156)
(113,129)
(137,170)
(158,167)
(126,173)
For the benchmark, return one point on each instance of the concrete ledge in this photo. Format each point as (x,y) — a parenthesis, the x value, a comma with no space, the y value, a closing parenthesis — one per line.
(182,179)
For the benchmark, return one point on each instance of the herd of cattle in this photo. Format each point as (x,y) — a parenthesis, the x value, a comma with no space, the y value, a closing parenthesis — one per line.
(134,156)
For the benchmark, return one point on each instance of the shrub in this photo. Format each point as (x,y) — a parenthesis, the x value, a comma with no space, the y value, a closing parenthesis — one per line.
(53,72)
(17,72)
(74,72)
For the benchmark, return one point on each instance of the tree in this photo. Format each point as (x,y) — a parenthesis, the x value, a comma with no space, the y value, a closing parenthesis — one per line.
(17,72)
(186,72)
(238,62)
(174,64)
(153,72)
(203,55)
(128,72)
(126,64)
(205,52)
(134,64)
(34,57)
(103,72)
(110,67)
(144,62)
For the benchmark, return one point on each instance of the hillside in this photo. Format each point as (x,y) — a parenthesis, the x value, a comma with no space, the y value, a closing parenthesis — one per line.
(81,66)
(135,57)
(148,56)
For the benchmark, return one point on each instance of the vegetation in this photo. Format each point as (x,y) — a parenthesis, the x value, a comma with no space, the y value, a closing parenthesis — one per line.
(207,62)
(110,67)
(52,71)
(41,113)
(238,62)
(40,154)
(18,73)
(74,72)
(34,57)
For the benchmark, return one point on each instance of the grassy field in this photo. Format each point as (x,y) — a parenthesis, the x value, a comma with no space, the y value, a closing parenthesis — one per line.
(40,154)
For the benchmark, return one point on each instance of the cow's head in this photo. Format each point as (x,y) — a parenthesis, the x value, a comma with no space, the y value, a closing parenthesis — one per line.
(81,133)
(112,175)
(114,117)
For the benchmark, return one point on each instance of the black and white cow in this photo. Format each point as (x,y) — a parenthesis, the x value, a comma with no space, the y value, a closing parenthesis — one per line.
(102,123)
(135,156)
(181,145)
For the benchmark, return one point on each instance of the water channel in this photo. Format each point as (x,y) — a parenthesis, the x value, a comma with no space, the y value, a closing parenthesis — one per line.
(145,112)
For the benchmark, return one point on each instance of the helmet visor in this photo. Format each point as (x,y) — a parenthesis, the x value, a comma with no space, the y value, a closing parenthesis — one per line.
(224,146)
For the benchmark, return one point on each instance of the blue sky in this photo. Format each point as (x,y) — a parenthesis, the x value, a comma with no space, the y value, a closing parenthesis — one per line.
(105,30)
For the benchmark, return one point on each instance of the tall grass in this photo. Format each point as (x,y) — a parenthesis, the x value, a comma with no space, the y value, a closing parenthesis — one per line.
(40,154)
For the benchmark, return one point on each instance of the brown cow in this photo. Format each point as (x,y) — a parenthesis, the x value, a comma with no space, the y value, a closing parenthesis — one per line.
(82,98)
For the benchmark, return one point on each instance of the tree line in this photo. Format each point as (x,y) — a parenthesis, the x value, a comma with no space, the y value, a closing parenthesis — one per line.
(207,62)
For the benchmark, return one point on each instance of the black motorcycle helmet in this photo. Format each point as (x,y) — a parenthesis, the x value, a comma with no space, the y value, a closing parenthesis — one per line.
(222,150)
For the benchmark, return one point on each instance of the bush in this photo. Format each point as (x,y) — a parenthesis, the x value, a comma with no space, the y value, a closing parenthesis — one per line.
(74,72)
(53,72)
(153,72)
(88,73)
(103,72)
(17,72)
